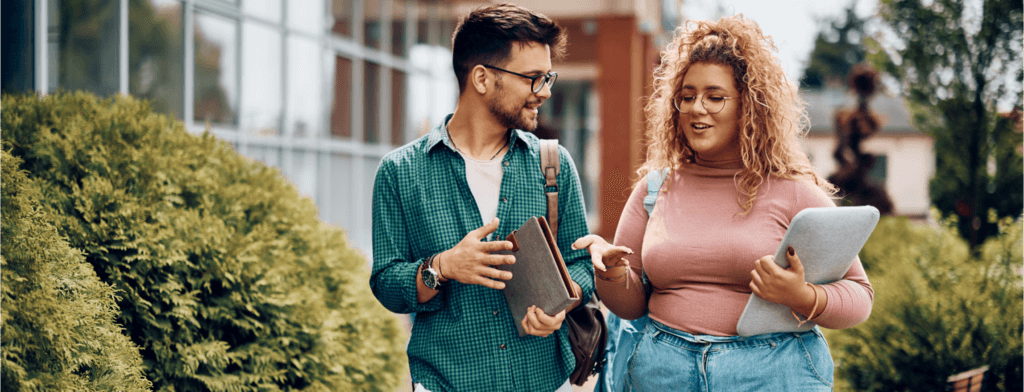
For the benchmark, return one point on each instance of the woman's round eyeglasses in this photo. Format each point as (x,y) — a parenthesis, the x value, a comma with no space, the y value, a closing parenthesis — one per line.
(713,102)
(544,79)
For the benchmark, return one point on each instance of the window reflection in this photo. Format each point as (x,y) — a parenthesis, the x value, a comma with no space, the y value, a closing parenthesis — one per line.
(398,32)
(266,9)
(341,109)
(342,23)
(216,69)
(261,80)
(84,45)
(424,23)
(303,87)
(155,55)
(371,103)
(397,107)
(372,33)
(447,21)
(18,47)
(306,15)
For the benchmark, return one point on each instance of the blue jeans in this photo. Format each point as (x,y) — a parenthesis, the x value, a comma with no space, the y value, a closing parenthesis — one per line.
(671,360)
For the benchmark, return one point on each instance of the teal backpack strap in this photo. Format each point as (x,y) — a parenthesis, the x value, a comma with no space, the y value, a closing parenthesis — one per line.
(654,181)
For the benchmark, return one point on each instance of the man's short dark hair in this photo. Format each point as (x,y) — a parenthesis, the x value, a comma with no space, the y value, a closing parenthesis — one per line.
(487,34)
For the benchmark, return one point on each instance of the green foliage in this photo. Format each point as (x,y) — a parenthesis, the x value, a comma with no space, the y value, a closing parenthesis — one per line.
(938,311)
(954,59)
(58,323)
(836,50)
(229,280)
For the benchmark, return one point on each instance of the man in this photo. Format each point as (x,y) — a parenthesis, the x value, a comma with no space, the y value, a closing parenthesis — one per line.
(443,203)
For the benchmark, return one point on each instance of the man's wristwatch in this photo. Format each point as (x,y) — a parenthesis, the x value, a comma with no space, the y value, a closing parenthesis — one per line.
(429,275)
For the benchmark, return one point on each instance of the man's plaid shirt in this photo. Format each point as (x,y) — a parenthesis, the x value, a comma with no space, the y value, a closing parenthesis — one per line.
(465,338)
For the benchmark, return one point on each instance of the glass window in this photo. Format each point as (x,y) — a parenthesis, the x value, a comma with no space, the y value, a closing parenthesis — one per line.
(18,47)
(266,9)
(372,29)
(371,103)
(261,80)
(216,67)
(397,107)
(84,43)
(341,109)
(342,17)
(424,19)
(303,118)
(447,21)
(306,15)
(398,32)
(304,172)
(155,55)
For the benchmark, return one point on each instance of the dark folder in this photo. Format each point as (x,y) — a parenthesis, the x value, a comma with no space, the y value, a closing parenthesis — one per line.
(539,275)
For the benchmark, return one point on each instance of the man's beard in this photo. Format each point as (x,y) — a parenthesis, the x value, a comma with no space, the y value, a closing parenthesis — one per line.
(511,118)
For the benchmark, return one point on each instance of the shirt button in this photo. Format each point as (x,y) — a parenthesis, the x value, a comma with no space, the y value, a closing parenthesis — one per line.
(502,346)
(504,199)
(495,312)
(505,163)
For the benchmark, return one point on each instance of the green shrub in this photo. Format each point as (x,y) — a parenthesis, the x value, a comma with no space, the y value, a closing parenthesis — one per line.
(58,318)
(229,281)
(938,311)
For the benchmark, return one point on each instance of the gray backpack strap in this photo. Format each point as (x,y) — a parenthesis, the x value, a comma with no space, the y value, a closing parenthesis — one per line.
(550,165)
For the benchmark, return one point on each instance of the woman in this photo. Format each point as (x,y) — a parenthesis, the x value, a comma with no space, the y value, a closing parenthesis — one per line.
(724,121)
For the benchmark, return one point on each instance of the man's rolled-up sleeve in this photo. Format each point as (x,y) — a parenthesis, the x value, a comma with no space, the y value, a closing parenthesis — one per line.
(393,279)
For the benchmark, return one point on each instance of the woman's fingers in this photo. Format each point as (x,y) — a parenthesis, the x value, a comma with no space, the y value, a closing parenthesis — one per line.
(588,240)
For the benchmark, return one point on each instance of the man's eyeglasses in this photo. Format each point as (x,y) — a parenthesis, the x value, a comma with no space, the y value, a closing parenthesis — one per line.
(713,102)
(536,82)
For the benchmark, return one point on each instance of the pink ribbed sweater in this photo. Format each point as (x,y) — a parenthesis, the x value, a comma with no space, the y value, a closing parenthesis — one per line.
(698,252)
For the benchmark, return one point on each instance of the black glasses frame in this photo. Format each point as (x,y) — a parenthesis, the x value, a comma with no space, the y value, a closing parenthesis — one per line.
(549,78)
(702,96)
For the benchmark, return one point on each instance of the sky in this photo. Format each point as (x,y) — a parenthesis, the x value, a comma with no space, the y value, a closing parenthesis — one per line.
(792,24)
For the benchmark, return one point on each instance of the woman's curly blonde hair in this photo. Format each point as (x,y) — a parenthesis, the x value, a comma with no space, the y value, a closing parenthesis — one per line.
(772,114)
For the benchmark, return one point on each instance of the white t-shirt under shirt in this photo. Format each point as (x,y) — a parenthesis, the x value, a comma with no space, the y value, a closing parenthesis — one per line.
(484,179)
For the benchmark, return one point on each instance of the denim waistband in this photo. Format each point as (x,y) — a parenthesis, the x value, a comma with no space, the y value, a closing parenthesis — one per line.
(700,342)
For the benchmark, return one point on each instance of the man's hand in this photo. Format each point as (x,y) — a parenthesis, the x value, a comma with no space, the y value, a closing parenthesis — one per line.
(538,323)
(471,261)
(782,286)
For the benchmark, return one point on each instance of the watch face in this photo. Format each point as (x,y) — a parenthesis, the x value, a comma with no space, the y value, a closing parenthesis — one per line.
(430,278)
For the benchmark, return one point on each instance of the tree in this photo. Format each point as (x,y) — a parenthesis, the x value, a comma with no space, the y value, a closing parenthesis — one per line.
(836,50)
(953,60)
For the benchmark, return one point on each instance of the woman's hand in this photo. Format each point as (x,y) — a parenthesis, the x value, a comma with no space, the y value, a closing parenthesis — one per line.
(603,255)
(783,286)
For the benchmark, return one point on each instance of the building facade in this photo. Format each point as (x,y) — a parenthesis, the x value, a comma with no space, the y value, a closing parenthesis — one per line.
(322,89)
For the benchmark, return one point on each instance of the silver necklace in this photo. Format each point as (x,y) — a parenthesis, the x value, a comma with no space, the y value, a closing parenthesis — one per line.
(460,151)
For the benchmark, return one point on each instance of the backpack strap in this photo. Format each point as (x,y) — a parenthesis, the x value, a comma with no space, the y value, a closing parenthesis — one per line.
(654,181)
(550,165)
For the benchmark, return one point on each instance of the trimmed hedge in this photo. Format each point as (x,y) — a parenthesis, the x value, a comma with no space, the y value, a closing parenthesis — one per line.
(229,282)
(939,310)
(58,323)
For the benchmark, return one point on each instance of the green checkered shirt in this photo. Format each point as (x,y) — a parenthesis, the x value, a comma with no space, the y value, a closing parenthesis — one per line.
(465,339)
